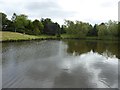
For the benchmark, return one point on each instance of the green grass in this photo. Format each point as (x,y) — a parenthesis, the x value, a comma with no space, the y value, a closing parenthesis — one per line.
(13,36)
(102,38)
(65,36)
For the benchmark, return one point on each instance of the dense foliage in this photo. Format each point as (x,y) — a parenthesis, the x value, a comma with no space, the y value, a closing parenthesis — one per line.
(21,23)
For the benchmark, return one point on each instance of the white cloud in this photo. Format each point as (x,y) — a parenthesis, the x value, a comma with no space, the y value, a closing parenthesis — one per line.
(93,11)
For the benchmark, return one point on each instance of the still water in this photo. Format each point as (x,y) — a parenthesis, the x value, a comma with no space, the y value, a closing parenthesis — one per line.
(60,64)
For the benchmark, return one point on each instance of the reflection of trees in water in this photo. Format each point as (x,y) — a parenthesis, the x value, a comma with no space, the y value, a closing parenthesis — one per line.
(80,46)
(119,49)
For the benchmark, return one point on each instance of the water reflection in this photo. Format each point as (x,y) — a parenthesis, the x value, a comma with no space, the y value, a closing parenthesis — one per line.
(60,64)
(80,46)
(92,70)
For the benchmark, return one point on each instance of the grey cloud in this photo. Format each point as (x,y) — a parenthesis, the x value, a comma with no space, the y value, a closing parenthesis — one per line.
(48,9)
(56,14)
(36,6)
(38,9)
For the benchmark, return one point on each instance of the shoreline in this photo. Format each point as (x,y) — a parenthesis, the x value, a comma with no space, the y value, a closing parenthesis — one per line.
(35,39)
(19,37)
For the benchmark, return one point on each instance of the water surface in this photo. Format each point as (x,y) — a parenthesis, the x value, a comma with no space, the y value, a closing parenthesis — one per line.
(60,64)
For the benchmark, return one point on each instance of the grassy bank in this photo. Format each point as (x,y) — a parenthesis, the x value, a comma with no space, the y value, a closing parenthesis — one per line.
(65,36)
(13,36)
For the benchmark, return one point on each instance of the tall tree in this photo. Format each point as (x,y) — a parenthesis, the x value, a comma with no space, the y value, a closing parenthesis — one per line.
(113,28)
(63,29)
(13,21)
(102,30)
(4,21)
(21,23)
(46,22)
(78,28)
(38,27)
(50,28)
(0,22)
(29,28)
(119,30)
(93,31)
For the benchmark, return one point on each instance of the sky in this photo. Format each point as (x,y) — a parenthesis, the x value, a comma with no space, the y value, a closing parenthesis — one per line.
(91,11)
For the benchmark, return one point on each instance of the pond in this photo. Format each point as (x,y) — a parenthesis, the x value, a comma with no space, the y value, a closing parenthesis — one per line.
(60,64)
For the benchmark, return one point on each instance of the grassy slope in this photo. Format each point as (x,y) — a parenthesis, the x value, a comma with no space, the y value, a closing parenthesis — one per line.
(9,36)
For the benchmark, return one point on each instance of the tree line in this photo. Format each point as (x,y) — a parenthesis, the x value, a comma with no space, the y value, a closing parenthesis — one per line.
(21,23)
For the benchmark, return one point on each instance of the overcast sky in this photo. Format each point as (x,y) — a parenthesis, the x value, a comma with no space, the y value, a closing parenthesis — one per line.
(92,11)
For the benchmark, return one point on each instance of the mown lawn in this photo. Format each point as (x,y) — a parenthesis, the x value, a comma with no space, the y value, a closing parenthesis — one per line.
(9,36)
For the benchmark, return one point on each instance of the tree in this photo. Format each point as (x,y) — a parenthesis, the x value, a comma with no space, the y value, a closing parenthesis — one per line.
(0,22)
(46,22)
(93,31)
(63,29)
(84,28)
(38,27)
(4,21)
(119,30)
(78,28)
(53,29)
(29,28)
(13,21)
(113,28)
(70,27)
(50,28)
(102,30)
(21,22)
